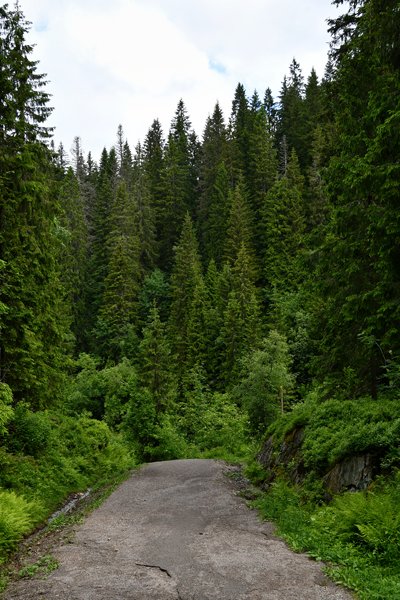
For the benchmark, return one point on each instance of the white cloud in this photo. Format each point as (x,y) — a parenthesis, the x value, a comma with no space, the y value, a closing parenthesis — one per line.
(130,61)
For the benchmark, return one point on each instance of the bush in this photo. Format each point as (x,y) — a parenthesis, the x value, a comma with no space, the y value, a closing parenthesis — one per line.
(6,411)
(16,519)
(31,431)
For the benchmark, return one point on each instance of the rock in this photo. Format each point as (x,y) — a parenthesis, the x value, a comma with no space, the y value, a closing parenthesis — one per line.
(351,473)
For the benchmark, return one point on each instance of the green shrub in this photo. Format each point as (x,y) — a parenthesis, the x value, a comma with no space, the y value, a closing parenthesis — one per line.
(370,520)
(31,431)
(16,519)
(6,411)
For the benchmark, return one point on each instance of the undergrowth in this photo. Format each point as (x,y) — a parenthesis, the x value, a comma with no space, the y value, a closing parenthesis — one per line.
(357,534)
(37,471)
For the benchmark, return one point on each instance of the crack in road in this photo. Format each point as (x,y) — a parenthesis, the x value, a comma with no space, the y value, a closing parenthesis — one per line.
(179,597)
(155,567)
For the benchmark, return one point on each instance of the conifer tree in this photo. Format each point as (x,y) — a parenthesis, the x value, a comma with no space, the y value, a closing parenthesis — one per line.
(241,329)
(238,135)
(144,212)
(153,150)
(284,228)
(216,225)
(33,327)
(213,183)
(240,227)
(263,169)
(178,180)
(99,223)
(291,121)
(184,280)
(359,270)
(74,253)
(118,310)
(155,362)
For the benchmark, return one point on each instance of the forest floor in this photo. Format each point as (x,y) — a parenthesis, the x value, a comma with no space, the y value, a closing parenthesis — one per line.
(177,530)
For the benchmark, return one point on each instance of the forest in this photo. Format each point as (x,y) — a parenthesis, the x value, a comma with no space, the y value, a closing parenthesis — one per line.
(193,296)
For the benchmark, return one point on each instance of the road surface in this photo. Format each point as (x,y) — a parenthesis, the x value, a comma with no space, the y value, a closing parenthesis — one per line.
(177,531)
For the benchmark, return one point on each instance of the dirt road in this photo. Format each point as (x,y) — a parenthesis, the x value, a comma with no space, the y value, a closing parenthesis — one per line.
(177,531)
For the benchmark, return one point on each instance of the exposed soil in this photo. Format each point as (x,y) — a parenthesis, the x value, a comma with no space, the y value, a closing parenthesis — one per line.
(176,530)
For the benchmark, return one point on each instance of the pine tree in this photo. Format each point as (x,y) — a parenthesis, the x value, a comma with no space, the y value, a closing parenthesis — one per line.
(241,328)
(184,280)
(213,181)
(240,227)
(33,327)
(284,228)
(144,212)
(359,273)
(155,362)
(118,309)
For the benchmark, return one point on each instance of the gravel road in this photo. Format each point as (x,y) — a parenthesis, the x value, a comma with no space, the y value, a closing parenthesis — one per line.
(177,531)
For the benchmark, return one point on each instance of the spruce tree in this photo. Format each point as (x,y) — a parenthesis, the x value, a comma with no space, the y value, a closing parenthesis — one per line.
(241,328)
(359,274)
(178,183)
(33,327)
(291,116)
(240,227)
(145,220)
(118,309)
(284,229)
(213,183)
(155,362)
(74,253)
(184,280)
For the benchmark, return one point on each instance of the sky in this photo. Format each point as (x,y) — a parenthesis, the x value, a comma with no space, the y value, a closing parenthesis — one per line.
(128,62)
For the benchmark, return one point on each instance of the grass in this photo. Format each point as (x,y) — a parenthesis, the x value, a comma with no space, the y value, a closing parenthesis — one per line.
(357,535)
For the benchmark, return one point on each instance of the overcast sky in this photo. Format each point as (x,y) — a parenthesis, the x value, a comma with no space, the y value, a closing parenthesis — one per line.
(112,62)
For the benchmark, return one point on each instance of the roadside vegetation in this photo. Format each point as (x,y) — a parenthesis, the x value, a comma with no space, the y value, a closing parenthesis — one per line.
(197,297)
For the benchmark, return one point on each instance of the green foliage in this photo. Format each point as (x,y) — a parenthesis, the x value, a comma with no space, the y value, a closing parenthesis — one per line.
(30,432)
(358,534)
(337,428)
(105,393)
(6,411)
(267,382)
(211,421)
(45,565)
(16,519)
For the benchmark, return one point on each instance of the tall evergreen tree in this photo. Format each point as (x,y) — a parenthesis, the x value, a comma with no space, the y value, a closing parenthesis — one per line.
(284,228)
(241,328)
(213,155)
(74,253)
(32,325)
(240,227)
(155,362)
(184,281)
(359,274)
(291,121)
(238,135)
(144,212)
(178,180)
(153,150)
(118,309)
